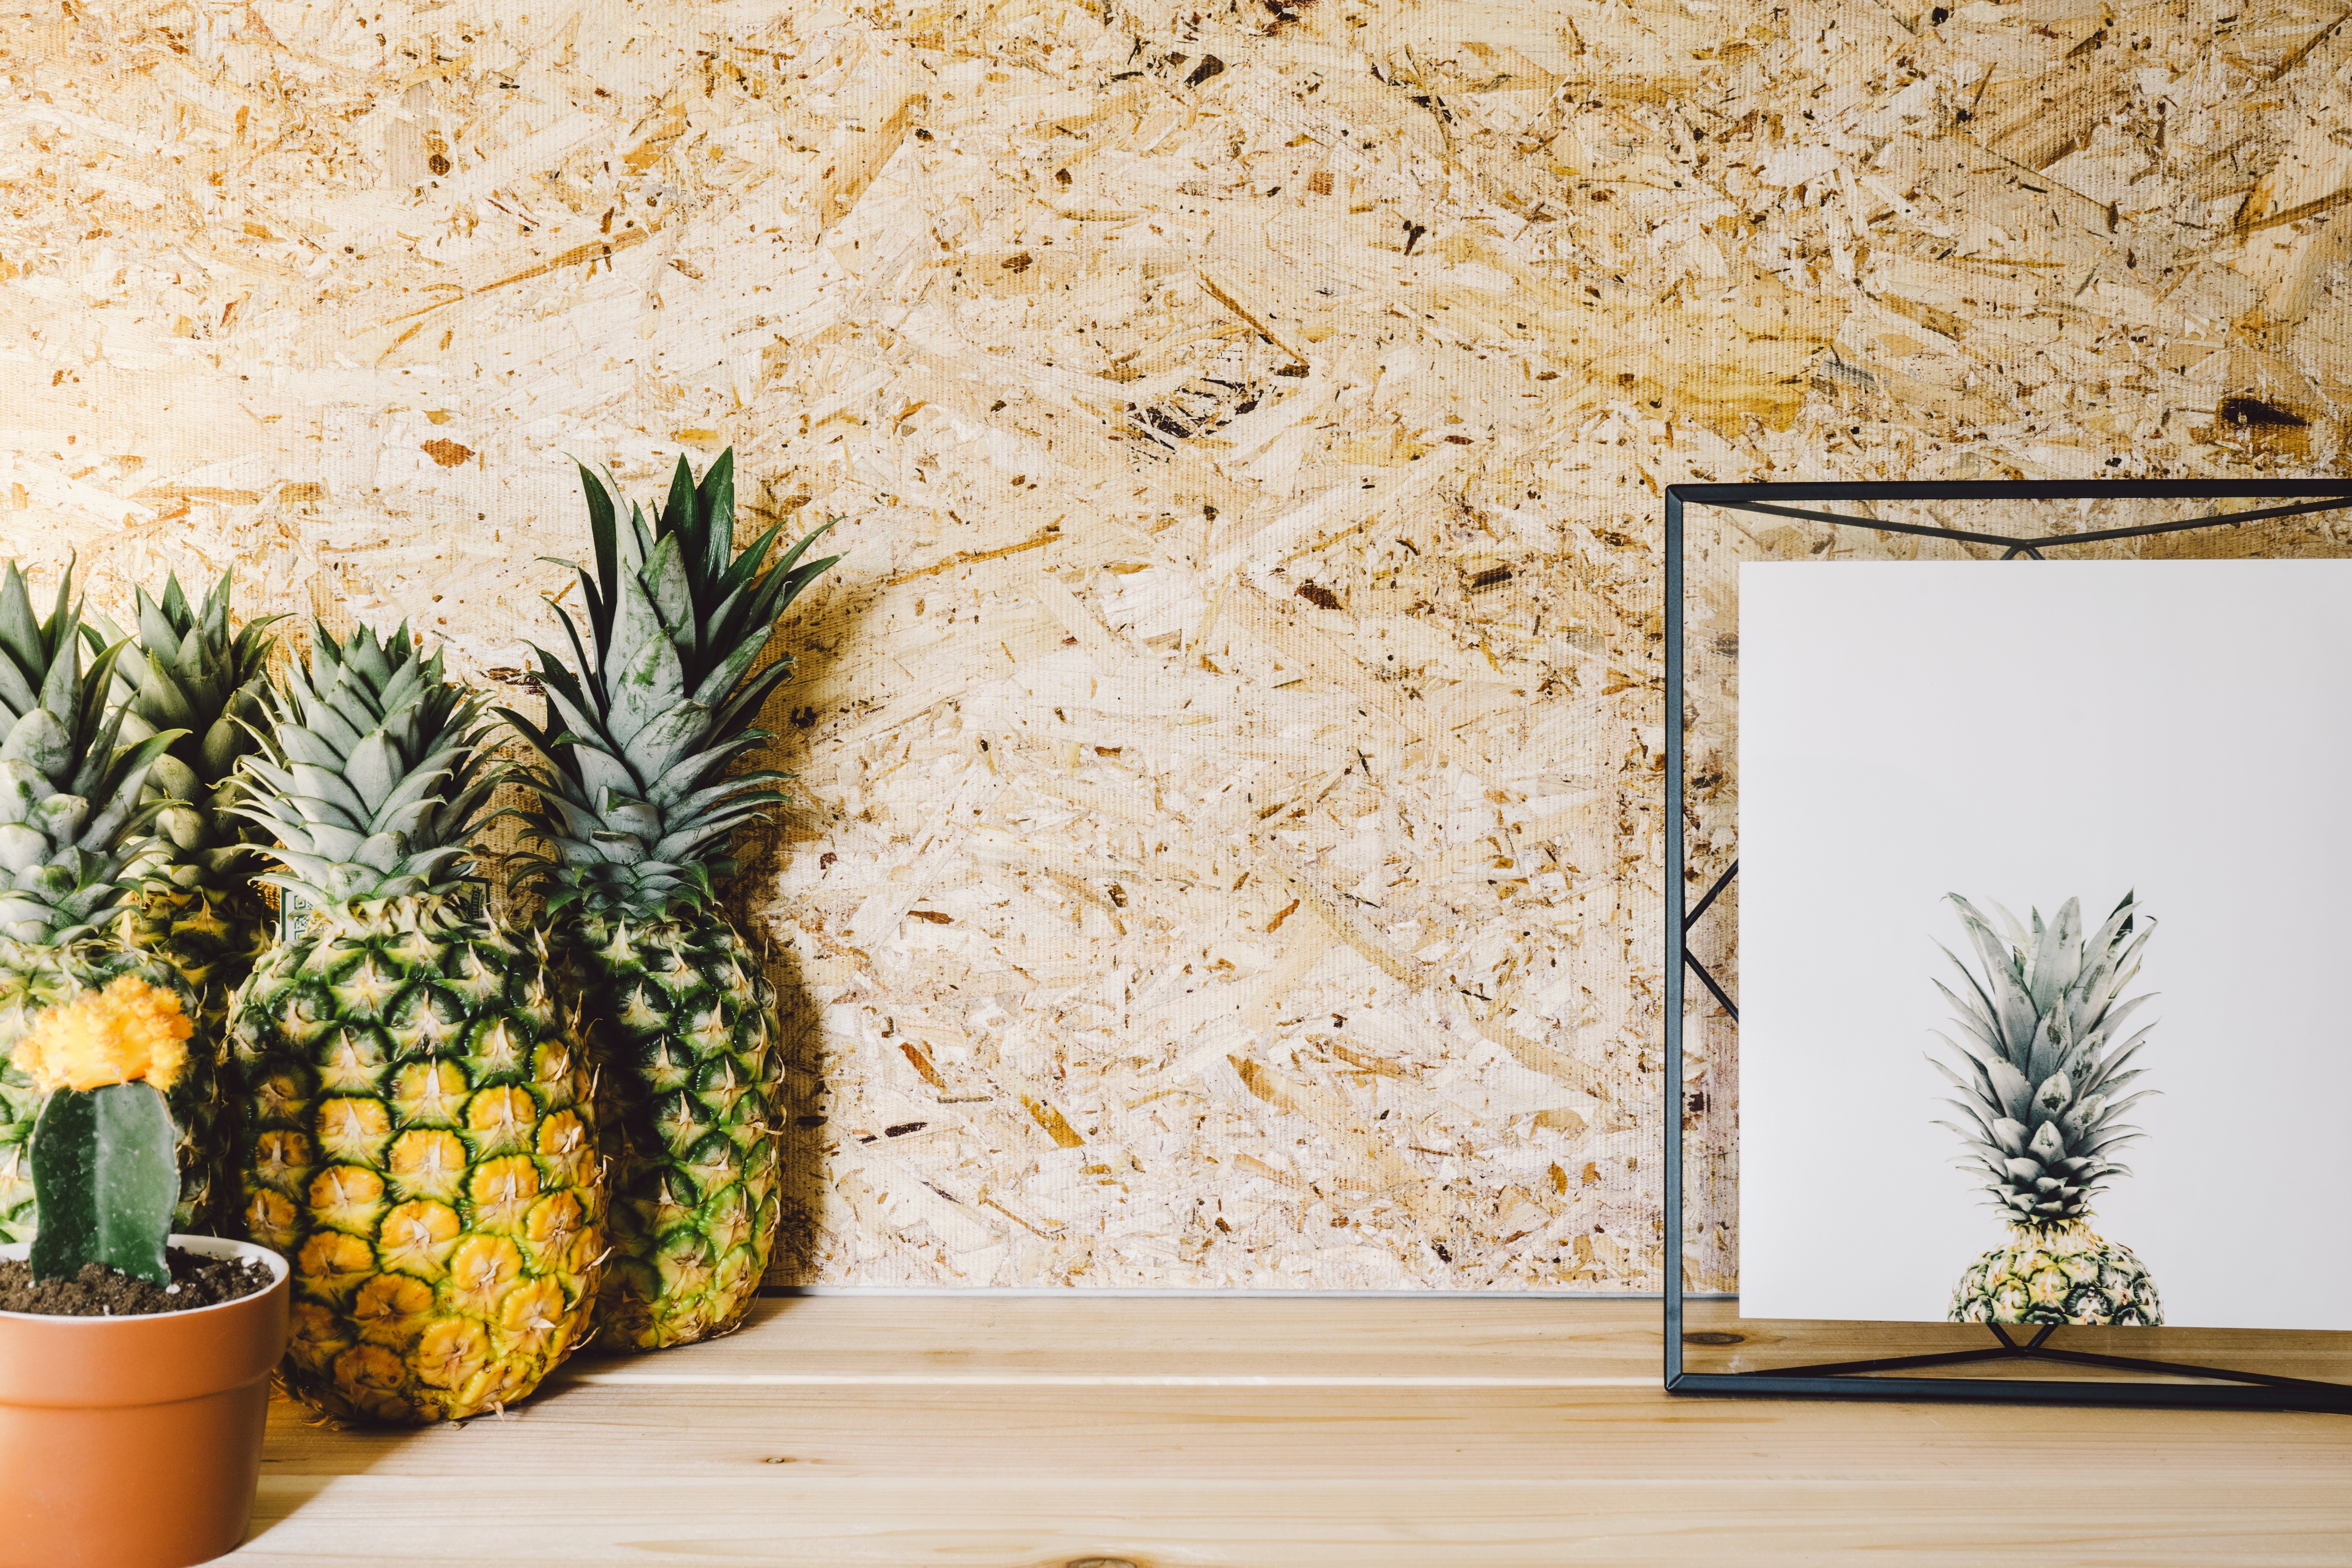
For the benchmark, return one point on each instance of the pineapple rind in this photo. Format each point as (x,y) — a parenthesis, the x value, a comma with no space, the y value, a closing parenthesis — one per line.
(2063,1273)
(213,935)
(423,1149)
(210,939)
(690,1078)
(35,978)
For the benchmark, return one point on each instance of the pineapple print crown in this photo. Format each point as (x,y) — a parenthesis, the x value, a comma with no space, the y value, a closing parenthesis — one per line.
(2042,1058)
(69,795)
(376,776)
(634,809)
(190,673)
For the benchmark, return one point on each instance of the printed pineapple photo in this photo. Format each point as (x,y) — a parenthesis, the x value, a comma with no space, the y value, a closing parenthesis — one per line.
(1869,797)
(2042,1061)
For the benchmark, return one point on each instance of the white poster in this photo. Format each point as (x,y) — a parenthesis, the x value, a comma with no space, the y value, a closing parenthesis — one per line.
(2052,737)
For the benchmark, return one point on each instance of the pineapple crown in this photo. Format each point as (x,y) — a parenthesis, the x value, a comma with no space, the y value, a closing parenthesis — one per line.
(191,674)
(635,805)
(376,775)
(69,801)
(2042,1055)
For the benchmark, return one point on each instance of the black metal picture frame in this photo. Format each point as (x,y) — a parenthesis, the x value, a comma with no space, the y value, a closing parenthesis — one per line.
(1883,1378)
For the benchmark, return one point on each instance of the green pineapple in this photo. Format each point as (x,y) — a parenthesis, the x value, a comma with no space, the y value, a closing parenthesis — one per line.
(70,817)
(635,813)
(419,1137)
(2045,1060)
(196,904)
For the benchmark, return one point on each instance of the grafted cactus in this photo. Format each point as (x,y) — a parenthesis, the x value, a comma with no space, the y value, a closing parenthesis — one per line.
(105,1172)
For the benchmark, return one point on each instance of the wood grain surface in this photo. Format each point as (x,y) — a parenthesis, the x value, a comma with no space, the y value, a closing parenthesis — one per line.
(1010,1432)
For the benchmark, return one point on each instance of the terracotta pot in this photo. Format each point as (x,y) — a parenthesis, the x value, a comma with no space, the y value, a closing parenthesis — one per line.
(136,1442)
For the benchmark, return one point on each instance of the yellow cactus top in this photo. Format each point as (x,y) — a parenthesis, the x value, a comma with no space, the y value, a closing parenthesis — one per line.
(129,1031)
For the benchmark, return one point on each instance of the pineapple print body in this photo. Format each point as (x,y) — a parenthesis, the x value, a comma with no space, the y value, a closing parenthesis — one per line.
(423,1148)
(2061,1273)
(691,1079)
(34,979)
(2039,1072)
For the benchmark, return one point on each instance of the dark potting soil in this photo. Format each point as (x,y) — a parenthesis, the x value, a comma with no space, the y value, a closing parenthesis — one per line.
(99,1291)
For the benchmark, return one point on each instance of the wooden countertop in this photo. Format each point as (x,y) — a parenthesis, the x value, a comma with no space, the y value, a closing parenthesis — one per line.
(1033,1432)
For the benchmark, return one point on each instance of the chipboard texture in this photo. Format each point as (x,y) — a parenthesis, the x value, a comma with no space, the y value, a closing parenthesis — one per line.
(1227,850)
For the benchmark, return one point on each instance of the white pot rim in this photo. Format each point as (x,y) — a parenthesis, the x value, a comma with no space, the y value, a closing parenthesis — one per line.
(203,1246)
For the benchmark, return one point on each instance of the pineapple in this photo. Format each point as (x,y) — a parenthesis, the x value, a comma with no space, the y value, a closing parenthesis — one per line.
(419,1137)
(2044,1061)
(196,904)
(2060,1273)
(69,814)
(636,811)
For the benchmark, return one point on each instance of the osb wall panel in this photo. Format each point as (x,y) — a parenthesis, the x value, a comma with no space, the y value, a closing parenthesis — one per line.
(1229,850)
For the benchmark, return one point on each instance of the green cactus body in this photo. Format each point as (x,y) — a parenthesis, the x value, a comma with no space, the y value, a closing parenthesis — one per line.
(102,1162)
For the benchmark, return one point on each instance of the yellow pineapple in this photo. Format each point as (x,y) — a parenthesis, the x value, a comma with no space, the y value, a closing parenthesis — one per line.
(420,1138)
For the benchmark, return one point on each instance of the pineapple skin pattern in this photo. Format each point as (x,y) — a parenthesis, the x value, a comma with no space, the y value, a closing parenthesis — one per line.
(691,1084)
(423,1150)
(2043,1062)
(2063,1273)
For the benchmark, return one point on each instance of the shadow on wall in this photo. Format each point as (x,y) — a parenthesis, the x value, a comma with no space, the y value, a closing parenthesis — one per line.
(763,852)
